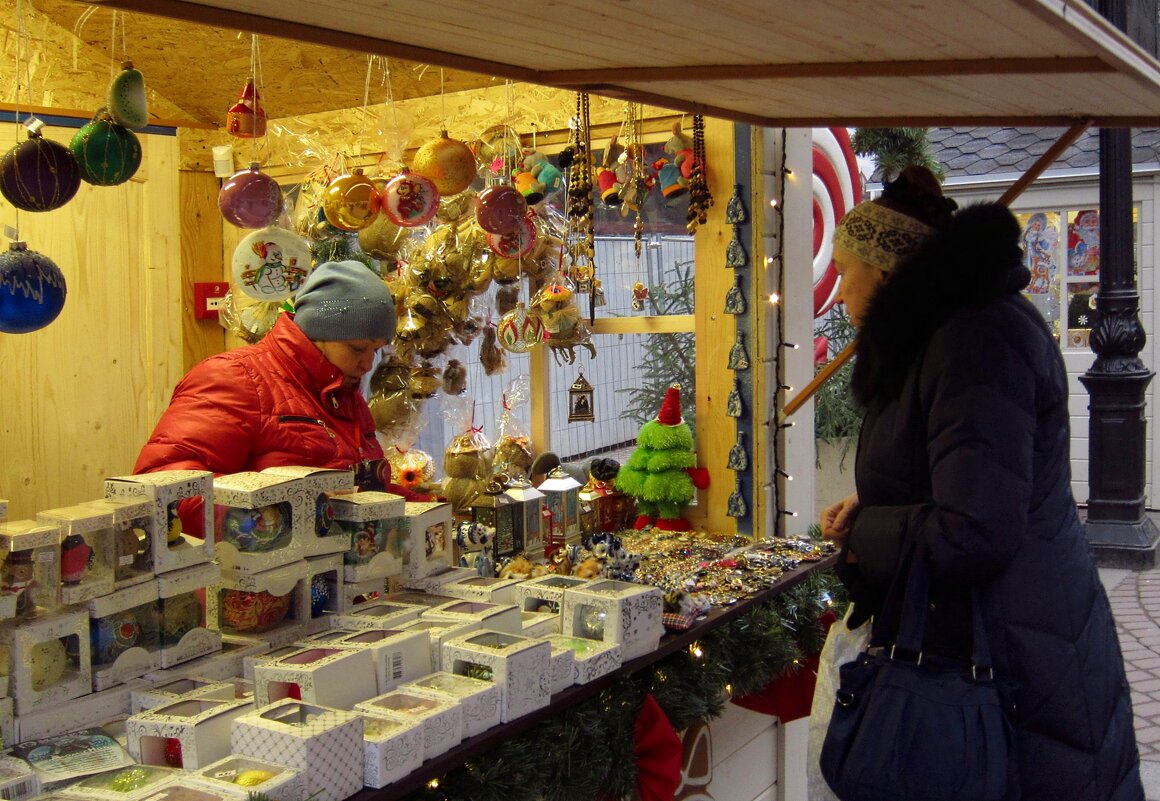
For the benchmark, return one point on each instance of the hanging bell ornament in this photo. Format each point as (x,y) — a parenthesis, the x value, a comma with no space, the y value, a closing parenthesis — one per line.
(447,162)
(733,405)
(32,290)
(738,454)
(352,202)
(410,200)
(735,213)
(738,356)
(246,119)
(39,174)
(736,506)
(735,299)
(126,99)
(250,199)
(107,153)
(735,255)
(500,209)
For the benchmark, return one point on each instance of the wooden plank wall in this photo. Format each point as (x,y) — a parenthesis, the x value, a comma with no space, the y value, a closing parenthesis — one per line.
(83,393)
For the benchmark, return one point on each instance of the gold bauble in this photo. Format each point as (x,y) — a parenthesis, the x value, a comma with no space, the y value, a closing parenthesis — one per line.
(447,162)
(382,239)
(425,381)
(351,202)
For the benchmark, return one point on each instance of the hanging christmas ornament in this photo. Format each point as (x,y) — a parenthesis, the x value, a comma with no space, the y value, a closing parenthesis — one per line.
(410,199)
(735,255)
(581,402)
(250,199)
(700,198)
(32,290)
(736,506)
(319,595)
(126,99)
(735,298)
(516,243)
(499,209)
(456,208)
(106,153)
(639,295)
(738,455)
(39,174)
(735,213)
(518,331)
(352,201)
(383,238)
(270,264)
(46,664)
(733,405)
(738,356)
(246,119)
(447,162)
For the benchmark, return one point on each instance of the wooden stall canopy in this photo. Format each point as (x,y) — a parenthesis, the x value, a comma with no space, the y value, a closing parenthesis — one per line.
(765,62)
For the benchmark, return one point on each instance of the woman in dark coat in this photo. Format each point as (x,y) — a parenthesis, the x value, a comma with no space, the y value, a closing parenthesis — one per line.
(964,449)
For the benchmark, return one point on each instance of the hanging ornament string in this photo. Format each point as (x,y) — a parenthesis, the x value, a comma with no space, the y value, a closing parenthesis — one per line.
(259,87)
(396,156)
(773,258)
(578,203)
(442,102)
(633,194)
(700,198)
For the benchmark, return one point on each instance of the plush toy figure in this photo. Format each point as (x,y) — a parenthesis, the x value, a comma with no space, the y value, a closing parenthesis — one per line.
(606,177)
(556,308)
(660,474)
(538,178)
(675,171)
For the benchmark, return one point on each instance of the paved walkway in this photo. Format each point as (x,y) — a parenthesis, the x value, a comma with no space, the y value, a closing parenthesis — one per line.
(1135,598)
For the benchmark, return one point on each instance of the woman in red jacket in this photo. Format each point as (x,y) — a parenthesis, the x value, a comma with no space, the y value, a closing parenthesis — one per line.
(291,399)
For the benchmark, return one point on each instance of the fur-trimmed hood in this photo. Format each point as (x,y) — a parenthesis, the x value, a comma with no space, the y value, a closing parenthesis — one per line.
(974,260)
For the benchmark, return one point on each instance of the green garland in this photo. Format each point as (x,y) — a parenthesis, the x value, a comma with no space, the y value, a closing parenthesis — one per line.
(585,753)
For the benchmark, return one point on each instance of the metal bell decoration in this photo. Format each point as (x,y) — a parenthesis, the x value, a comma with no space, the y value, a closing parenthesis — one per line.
(736,506)
(735,299)
(733,406)
(738,356)
(738,454)
(735,255)
(735,212)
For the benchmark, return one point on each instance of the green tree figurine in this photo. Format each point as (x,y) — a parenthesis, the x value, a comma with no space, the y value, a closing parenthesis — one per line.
(661,473)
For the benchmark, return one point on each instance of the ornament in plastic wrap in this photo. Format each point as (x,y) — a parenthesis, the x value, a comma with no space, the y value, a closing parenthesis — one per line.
(244,611)
(499,209)
(351,201)
(425,381)
(456,208)
(250,199)
(491,356)
(113,635)
(447,162)
(32,290)
(506,271)
(410,199)
(106,153)
(254,530)
(126,99)
(246,119)
(39,174)
(454,378)
(519,331)
(270,264)
(390,401)
(47,661)
(382,239)
(556,307)
(411,469)
(496,149)
(247,319)
(480,276)
(506,298)
(516,243)
(319,595)
(445,263)
(469,455)
(456,308)
(513,455)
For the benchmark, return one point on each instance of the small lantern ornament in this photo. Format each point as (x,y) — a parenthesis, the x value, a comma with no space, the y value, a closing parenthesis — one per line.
(32,290)
(580,401)
(246,119)
(39,174)
(603,508)
(250,198)
(495,509)
(107,153)
(351,202)
(562,502)
(526,515)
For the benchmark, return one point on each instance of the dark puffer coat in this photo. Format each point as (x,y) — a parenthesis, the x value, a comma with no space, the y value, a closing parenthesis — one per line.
(965,448)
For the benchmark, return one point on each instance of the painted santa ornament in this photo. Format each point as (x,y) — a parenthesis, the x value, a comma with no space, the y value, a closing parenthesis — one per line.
(515,243)
(270,264)
(32,290)
(250,199)
(106,153)
(410,199)
(39,174)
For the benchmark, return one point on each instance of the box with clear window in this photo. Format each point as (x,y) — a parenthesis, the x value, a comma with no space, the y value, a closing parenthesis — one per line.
(30,570)
(86,551)
(173,548)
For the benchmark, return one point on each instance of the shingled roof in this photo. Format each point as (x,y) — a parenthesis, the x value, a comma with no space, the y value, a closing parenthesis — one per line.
(968,152)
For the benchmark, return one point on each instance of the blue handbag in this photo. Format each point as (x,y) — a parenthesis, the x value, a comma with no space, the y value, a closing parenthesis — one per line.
(910,727)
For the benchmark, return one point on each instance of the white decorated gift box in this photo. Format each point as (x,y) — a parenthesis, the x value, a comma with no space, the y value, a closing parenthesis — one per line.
(164,691)
(225,664)
(540,624)
(498,617)
(94,709)
(125,634)
(188,733)
(235,689)
(392,748)
(371,522)
(262,521)
(433,582)
(270,604)
(591,659)
(487,589)
(30,570)
(86,551)
(563,672)
(428,537)
(378,615)
(417,597)
(7,722)
(132,783)
(325,745)
(438,632)
(248,662)
(399,655)
(335,677)
(48,659)
(617,612)
(18,781)
(546,592)
(318,485)
(134,530)
(173,548)
(322,591)
(480,699)
(240,776)
(184,635)
(357,593)
(519,666)
(442,718)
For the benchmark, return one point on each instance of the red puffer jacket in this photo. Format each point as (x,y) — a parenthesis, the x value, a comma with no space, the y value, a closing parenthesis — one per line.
(276,403)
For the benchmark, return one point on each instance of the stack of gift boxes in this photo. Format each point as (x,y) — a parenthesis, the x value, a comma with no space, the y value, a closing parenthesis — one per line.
(268,644)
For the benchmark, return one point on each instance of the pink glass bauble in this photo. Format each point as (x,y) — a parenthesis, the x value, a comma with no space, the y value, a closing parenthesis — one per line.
(351,202)
(410,199)
(250,199)
(499,209)
(519,331)
(515,243)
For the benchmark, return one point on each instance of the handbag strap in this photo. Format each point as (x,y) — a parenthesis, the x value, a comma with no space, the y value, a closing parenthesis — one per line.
(912,621)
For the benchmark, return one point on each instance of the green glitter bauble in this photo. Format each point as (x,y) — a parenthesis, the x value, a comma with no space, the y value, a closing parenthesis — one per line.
(108,154)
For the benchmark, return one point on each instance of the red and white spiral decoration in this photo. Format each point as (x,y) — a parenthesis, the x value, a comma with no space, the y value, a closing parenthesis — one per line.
(837,188)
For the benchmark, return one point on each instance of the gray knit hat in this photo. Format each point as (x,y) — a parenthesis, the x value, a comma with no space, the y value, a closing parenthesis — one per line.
(344,300)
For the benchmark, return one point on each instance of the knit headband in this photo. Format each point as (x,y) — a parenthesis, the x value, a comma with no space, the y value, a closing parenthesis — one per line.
(879,236)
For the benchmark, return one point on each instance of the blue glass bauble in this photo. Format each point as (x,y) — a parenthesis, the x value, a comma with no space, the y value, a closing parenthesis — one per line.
(319,595)
(32,290)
